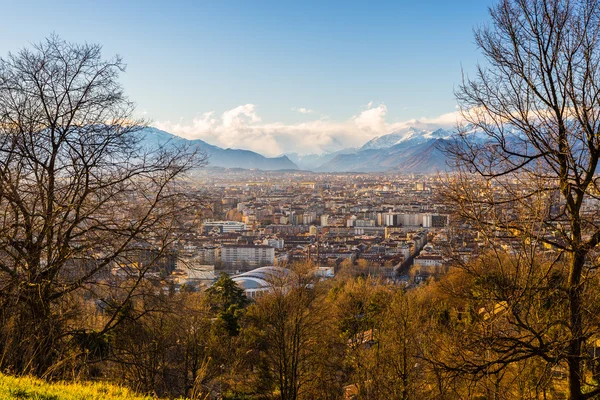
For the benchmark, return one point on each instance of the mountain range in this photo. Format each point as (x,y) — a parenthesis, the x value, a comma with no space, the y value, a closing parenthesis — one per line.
(217,156)
(410,150)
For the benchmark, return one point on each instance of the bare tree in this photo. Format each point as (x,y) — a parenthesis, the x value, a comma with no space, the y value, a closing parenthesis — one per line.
(293,336)
(529,173)
(80,194)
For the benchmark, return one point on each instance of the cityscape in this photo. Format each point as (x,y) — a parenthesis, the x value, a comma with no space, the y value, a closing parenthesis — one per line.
(297,201)
(277,218)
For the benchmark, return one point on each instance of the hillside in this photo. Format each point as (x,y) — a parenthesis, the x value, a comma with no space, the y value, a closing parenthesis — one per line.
(31,388)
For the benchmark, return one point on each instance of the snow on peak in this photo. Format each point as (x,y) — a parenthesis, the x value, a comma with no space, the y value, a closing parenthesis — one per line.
(438,134)
(382,142)
(411,134)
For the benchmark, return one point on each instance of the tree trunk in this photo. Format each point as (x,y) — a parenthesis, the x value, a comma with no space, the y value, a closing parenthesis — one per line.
(576,326)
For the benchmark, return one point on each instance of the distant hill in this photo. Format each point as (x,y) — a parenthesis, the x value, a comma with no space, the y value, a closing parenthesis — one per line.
(219,157)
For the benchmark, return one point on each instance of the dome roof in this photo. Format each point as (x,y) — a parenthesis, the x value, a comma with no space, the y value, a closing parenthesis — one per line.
(261,278)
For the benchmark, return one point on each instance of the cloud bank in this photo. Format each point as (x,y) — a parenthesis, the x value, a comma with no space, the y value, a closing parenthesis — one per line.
(242,128)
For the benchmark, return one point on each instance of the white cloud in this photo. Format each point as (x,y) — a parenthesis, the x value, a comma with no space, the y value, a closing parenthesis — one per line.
(240,116)
(302,110)
(242,127)
(372,119)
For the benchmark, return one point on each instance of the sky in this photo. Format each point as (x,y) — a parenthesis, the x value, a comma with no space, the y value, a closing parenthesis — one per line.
(273,76)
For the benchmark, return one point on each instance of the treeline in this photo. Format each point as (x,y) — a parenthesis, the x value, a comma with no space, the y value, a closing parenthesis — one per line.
(350,337)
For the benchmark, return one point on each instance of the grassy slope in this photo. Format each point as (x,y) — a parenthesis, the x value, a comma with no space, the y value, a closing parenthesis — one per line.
(35,389)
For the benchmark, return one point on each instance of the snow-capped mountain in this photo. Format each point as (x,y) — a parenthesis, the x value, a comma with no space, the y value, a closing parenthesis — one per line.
(410,150)
(411,134)
(408,156)
(383,142)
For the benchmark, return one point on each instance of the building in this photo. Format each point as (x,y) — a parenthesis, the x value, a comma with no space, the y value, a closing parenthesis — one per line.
(390,219)
(261,280)
(208,254)
(435,221)
(276,243)
(156,260)
(429,260)
(439,221)
(424,265)
(251,255)
(223,226)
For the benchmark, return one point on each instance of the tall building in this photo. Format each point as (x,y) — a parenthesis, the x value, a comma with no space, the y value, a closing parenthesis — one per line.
(247,254)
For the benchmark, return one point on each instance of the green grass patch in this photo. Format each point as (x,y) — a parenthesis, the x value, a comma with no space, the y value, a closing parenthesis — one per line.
(37,389)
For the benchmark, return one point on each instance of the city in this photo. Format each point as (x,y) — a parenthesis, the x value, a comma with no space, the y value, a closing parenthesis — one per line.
(300,200)
(379,222)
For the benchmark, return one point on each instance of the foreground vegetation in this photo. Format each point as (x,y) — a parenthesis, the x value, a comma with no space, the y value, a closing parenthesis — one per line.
(37,389)
(351,337)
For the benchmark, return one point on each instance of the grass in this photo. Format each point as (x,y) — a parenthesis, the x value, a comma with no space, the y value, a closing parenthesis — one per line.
(36,389)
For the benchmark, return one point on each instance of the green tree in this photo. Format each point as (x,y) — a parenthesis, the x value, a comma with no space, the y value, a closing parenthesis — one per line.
(228,300)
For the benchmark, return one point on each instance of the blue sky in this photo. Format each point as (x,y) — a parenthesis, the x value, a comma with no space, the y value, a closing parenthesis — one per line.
(237,72)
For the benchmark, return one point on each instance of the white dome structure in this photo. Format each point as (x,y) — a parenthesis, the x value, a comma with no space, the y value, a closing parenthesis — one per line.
(261,279)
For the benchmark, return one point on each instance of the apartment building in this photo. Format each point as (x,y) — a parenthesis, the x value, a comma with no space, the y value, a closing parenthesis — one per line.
(252,255)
